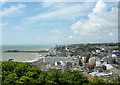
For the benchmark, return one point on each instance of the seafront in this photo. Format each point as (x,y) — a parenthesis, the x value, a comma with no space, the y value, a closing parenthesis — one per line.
(23,56)
(19,51)
(94,63)
(91,59)
(101,59)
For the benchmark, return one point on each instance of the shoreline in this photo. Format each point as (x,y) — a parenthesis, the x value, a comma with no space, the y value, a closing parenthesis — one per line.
(25,56)
(21,57)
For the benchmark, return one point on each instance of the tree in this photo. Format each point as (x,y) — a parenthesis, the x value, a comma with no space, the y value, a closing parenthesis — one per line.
(72,77)
(98,81)
(18,73)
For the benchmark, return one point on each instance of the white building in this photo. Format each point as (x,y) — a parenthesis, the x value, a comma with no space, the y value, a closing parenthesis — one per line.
(98,63)
(84,59)
(108,66)
(97,51)
(60,63)
(43,65)
(98,74)
(61,59)
(92,61)
(113,55)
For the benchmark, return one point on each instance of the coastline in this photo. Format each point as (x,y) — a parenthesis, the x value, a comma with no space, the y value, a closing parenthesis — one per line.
(23,57)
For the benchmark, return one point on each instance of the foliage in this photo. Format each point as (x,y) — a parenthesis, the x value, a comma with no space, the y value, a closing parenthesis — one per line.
(97,79)
(18,73)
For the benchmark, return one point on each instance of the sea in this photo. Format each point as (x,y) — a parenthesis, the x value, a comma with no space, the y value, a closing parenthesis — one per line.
(21,57)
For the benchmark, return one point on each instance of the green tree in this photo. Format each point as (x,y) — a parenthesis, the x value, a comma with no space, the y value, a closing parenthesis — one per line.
(18,73)
(98,81)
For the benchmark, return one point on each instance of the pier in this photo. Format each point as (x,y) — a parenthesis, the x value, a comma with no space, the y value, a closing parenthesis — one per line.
(18,51)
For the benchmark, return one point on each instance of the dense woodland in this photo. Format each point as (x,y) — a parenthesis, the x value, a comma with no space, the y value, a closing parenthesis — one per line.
(18,73)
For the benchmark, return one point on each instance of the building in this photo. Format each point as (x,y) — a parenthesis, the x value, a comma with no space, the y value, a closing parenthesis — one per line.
(92,61)
(59,63)
(108,66)
(84,59)
(116,54)
(98,74)
(98,63)
(43,65)
(52,60)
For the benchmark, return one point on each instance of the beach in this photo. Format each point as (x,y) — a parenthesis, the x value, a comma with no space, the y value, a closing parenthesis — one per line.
(22,57)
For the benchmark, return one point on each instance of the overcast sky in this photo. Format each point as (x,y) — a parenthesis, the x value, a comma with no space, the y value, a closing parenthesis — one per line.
(46,23)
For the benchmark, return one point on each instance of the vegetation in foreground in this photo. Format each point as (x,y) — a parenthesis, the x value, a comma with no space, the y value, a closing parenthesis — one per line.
(18,73)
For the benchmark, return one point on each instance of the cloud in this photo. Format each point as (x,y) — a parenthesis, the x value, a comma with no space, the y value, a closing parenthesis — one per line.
(55,13)
(99,24)
(56,31)
(2,2)
(1,24)
(54,39)
(78,0)
(64,12)
(111,34)
(12,10)
(70,37)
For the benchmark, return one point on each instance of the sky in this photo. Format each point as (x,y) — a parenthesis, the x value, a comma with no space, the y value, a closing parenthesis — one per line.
(51,23)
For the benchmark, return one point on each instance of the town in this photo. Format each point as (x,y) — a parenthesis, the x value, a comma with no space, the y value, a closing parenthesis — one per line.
(100,59)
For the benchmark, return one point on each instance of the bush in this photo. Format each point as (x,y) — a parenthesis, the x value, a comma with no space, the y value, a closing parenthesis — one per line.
(18,73)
